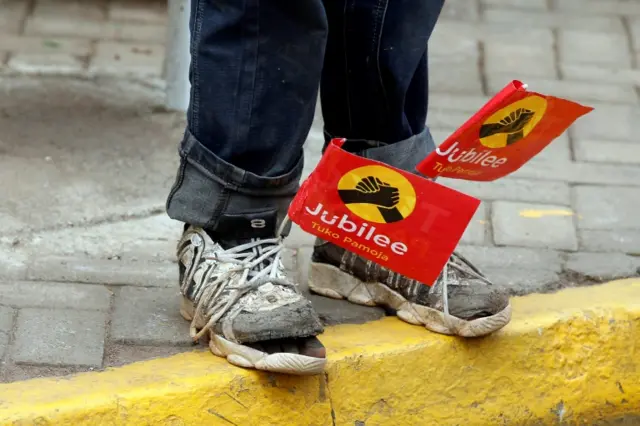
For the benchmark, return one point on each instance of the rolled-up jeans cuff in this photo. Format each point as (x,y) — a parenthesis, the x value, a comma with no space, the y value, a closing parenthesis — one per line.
(209,192)
(404,155)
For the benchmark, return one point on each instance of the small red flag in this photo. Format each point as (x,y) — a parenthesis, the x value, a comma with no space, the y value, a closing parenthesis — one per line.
(399,220)
(514,126)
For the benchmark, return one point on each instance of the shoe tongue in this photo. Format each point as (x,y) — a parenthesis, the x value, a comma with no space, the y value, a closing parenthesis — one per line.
(227,243)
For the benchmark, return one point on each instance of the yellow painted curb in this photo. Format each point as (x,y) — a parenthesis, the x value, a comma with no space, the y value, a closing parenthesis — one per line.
(572,357)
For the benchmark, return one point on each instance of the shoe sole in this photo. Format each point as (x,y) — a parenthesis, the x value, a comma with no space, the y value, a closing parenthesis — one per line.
(247,357)
(330,281)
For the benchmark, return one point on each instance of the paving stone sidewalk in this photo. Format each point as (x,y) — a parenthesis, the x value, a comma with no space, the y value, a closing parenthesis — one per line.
(87,156)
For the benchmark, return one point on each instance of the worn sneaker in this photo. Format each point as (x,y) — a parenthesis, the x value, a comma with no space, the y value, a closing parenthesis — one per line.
(461,302)
(255,317)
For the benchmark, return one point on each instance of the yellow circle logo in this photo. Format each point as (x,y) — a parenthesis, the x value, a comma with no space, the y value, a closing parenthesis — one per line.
(513,122)
(377,194)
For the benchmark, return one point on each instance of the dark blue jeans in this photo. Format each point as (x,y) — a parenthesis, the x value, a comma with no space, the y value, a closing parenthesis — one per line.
(256,67)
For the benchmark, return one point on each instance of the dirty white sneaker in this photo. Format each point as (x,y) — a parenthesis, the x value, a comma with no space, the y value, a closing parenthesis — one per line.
(242,298)
(461,302)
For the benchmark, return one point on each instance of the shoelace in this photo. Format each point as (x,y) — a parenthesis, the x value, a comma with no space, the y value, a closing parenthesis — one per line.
(257,262)
(249,258)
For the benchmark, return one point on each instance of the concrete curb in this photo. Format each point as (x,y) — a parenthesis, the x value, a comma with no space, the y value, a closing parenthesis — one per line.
(566,358)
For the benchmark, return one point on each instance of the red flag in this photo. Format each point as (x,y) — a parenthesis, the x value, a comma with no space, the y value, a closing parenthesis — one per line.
(399,220)
(514,126)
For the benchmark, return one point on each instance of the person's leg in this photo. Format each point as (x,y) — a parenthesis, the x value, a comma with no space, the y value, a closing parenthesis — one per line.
(375,80)
(255,72)
(374,92)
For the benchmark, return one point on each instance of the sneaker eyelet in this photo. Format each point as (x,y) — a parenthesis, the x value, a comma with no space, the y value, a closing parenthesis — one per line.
(196,240)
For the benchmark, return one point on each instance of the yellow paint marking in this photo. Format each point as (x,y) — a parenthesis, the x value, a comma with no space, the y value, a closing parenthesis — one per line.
(570,354)
(537,214)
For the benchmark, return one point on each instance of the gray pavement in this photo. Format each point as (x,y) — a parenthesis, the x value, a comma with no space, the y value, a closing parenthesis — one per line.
(87,155)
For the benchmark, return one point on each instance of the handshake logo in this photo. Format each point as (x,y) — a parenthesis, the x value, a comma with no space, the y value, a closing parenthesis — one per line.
(377,194)
(512,123)
(512,126)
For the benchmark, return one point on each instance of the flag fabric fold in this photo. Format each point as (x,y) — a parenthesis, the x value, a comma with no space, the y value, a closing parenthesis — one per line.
(411,224)
(399,220)
(513,127)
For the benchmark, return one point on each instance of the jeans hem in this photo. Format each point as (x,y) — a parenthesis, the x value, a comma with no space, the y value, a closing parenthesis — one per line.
(404,154)
(207,189)
(211,193)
